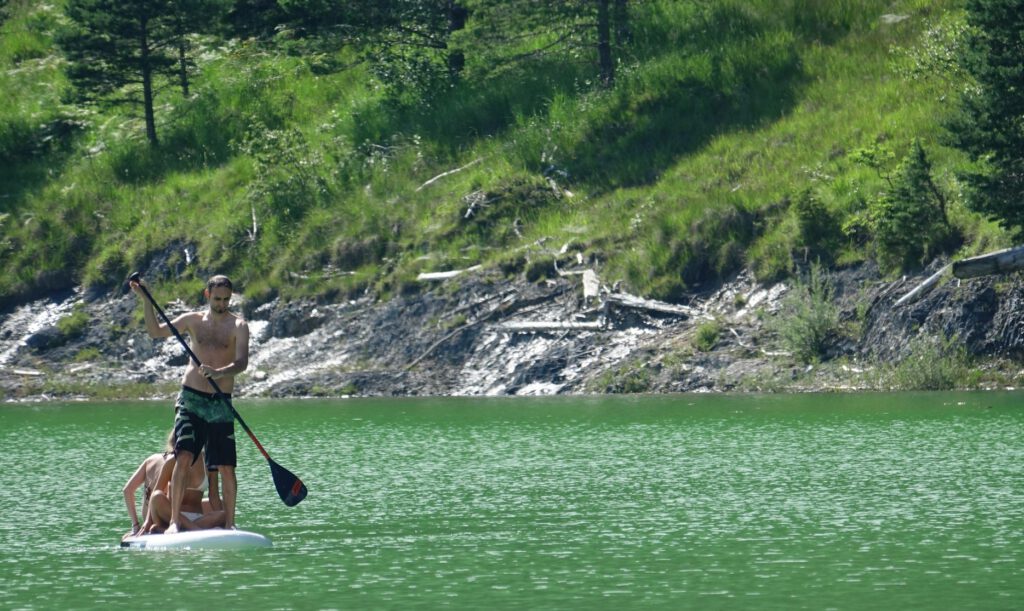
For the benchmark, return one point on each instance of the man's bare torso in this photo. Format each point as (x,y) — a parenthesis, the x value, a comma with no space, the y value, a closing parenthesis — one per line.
(215,341)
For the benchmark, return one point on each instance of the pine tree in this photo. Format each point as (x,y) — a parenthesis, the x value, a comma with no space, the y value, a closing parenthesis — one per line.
(509,31)
(909,219)
(990,127)
(261,18)
(118,51)
(193,17)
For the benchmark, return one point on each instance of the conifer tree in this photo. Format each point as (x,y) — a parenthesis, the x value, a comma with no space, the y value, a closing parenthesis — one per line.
(118,52)
(990,126)
(193,17)
(587,28)
(261,18)
(909,219)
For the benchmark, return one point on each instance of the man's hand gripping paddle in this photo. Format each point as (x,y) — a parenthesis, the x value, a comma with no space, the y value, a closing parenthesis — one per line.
(289,488)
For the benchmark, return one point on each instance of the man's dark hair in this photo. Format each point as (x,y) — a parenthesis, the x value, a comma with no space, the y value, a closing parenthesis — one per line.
(218,280)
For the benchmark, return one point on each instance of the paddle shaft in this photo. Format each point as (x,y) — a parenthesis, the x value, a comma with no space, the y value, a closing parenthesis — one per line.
(195,359)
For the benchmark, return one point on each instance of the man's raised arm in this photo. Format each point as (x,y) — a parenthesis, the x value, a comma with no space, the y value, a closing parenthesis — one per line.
(154,327)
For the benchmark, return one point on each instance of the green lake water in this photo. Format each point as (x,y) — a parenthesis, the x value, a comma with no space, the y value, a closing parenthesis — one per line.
(681,502)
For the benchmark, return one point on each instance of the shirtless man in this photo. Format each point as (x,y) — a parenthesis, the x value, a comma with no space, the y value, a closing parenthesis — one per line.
(220,339)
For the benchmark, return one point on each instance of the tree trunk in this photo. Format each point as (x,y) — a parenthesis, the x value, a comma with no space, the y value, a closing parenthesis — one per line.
(457,15)
(183,60)
(999,262)
(623,33)
(147,82)
(604,43)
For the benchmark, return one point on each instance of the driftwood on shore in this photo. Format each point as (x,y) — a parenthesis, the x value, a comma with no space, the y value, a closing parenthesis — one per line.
(922,288)
(619,300)
(998,262)
(592,289)
(626,300)
(549,325)
(446,275)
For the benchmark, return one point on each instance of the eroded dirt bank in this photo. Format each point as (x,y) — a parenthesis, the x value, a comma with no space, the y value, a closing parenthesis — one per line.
(479,334)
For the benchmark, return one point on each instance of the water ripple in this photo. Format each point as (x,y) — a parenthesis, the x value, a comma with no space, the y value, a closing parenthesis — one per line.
(734,502)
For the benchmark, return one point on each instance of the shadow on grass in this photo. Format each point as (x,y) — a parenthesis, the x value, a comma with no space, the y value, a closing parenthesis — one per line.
(729,68)
(644,135)
(187,147)
(30,156)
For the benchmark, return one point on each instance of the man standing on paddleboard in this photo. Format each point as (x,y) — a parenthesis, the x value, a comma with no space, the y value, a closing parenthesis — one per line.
(220,341)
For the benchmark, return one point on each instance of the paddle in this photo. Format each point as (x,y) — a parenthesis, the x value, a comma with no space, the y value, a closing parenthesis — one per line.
(289,487)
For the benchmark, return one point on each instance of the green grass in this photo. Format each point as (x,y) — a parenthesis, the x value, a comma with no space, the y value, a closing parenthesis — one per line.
(722,115)
(74,324)
(707,335)
(932,364)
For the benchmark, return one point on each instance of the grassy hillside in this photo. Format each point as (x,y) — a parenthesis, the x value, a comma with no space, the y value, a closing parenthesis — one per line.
(300,178)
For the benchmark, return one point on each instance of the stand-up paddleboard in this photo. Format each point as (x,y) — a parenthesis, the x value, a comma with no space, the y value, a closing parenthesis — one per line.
(213,538)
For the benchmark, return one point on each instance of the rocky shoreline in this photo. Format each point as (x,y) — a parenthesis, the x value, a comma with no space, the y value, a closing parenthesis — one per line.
(478,334)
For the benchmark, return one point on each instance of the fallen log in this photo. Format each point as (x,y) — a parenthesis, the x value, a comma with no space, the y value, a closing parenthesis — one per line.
(548,325)
(448,173)
(626,300)
(999,262)
(426,276)
(923,288)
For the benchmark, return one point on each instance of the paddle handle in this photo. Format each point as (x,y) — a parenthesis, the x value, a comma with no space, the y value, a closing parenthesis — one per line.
(136,278)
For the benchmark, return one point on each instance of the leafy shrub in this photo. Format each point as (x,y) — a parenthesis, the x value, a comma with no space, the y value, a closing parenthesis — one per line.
(87,355)
(707,336)
(818,230)
(625,380)
(934,363)
(808,319)
(74,324)
(291,177)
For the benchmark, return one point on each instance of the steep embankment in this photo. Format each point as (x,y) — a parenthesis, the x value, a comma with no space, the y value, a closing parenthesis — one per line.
(741,141)
(292,170)
(482,335)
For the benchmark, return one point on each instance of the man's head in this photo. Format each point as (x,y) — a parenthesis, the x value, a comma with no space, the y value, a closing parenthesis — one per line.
(218,293)
(218,280)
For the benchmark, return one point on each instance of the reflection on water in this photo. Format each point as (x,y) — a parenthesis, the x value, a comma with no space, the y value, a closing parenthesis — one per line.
(789,502)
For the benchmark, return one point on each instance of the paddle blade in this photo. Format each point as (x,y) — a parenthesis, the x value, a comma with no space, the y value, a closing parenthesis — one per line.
(289,488)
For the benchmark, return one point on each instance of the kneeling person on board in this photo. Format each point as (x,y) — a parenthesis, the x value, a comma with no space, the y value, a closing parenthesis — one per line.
(147,476)
(220,340)
(196,513)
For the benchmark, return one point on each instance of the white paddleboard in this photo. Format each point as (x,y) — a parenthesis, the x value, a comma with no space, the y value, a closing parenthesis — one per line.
(213,538)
